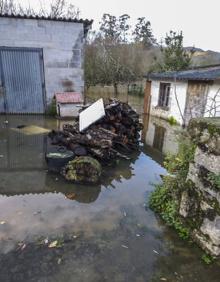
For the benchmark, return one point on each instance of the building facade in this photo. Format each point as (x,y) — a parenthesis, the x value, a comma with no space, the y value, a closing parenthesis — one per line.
(39,56)
(184,95)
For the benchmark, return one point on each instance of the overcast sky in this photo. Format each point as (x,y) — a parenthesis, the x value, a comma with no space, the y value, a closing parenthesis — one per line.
(198,19)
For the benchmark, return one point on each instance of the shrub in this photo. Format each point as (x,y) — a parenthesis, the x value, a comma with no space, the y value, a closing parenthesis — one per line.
(172,120)
(214,180)
(166,197)
(52,109)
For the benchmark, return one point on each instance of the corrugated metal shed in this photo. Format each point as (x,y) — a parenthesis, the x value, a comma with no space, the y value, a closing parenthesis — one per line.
(68,98)
(210,73)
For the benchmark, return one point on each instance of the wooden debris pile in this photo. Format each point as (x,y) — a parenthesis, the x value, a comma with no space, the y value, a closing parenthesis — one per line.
(113,136)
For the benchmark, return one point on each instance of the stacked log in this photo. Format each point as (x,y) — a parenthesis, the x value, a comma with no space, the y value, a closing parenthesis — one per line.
(114,136)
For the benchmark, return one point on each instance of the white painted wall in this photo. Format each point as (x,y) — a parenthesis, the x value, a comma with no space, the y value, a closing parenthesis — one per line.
(213,94)
(62,44)
(181,90)
(69,110)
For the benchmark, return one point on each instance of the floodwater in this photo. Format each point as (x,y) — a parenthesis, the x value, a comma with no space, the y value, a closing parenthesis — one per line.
(135,101)
(104,232)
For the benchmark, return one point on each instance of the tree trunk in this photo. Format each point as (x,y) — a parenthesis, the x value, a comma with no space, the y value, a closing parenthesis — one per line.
(116,90)
(87,86)
(128,86)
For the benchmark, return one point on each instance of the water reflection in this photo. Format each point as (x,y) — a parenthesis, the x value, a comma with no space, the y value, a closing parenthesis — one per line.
(160,135)
(116,233)
(23,168)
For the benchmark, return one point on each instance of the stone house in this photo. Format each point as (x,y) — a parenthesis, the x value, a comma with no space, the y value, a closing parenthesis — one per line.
(184,94)
(39,56)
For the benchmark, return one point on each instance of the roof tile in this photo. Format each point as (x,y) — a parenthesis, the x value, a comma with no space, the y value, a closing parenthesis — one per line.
(204,73)
(68,97)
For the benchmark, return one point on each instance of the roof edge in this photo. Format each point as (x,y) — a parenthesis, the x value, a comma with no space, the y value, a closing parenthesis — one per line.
(87,23)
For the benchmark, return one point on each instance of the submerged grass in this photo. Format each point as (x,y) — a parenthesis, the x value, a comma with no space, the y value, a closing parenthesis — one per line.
(162,203)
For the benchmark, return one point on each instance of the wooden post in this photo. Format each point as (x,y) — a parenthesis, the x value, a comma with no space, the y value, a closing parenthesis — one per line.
(147,97)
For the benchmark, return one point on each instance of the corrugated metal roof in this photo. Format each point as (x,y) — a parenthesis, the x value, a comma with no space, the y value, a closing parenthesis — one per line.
(68,97)
(87,23)
(210,73)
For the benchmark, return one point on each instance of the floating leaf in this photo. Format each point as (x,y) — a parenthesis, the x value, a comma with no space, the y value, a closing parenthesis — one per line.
(53,244)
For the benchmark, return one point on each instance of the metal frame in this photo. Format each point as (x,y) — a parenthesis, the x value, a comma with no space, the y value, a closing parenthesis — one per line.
(42,73)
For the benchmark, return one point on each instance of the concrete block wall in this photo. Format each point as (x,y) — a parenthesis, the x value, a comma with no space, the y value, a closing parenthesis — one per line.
(62,44)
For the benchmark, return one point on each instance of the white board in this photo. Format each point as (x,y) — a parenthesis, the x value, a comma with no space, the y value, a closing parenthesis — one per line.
(91,114)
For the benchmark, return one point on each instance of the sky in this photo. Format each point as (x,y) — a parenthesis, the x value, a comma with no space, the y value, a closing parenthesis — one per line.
(198,19)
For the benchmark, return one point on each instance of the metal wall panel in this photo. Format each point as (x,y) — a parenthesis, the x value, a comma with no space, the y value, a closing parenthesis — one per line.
(23,80)
(2,105)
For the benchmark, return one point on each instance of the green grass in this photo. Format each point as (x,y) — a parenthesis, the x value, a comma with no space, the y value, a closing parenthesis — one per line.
(207,259)
(161,202)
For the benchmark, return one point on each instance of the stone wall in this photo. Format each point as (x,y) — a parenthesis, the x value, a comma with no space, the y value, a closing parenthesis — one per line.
(201,203)
(62,44)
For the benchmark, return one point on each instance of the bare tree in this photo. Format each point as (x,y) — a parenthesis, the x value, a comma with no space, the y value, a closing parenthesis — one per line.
(213,105)
(63,8)
(178,104)
(55,8)
(7,7)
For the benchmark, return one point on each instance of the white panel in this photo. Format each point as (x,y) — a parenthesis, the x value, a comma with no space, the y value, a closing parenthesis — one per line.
(91,114)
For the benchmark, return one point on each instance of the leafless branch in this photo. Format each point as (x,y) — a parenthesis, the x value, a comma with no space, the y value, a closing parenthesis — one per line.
(177,101)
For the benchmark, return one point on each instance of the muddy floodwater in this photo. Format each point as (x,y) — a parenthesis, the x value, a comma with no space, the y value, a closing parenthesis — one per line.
(51,230)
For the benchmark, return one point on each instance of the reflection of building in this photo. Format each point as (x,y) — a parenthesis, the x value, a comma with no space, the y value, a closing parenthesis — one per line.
(22,158)
(160,135)
(23,167)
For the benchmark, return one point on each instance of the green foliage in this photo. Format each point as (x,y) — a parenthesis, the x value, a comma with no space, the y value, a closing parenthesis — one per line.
(214,180)
(178,165)
(52,109)
(135,89)
(165,198)
(172,120)
(143,33)
(174,56)
(208,259)
(112,56)
(113,29)
(162,202)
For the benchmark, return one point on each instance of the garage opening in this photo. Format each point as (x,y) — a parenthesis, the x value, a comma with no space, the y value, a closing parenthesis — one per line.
(21,81)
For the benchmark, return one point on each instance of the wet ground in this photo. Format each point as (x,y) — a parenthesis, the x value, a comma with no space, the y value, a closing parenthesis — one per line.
(100,233)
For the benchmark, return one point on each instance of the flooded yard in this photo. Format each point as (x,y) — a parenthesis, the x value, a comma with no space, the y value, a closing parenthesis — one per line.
(51,230)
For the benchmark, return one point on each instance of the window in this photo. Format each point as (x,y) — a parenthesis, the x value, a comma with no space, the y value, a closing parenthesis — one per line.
(164,95)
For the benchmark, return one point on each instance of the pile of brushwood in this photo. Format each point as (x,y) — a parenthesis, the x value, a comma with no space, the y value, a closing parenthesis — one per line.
(114,136)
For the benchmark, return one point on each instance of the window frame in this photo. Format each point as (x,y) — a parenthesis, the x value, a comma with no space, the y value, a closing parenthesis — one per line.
(164,96)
